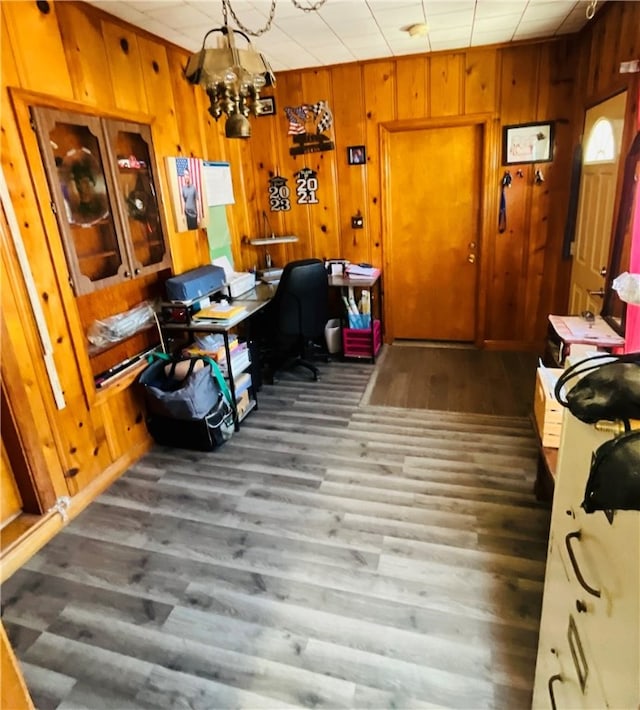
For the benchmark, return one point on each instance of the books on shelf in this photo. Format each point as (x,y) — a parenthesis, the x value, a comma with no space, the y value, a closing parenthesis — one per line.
(242,383)
(240,360)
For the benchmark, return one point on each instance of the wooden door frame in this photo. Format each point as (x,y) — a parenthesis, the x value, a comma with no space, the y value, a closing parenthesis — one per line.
(488,197)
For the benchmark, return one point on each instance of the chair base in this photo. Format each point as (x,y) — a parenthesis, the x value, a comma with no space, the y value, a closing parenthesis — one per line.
(273,370)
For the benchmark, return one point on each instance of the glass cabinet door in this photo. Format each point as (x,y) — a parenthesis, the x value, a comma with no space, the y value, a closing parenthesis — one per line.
(73,149)
(136,178)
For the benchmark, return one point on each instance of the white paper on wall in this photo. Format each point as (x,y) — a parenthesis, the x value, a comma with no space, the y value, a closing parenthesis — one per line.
(219,187)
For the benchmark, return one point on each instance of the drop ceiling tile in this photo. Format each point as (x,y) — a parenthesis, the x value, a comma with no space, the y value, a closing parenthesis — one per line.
(333,52)
(406,51)
(122,10)
(446,7)
(363,54)
(496,8)
(453,33)
(345,11)
(320,39)
(504,22)
(213,11)
(399,16)
(179,17)
(549,10)
(356,30)
(147,5)
(450,20)
(448,45)
(540,26)
(367,41)
(487,37)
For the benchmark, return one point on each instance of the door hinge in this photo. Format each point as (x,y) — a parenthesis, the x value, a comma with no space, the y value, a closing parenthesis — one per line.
(53,207)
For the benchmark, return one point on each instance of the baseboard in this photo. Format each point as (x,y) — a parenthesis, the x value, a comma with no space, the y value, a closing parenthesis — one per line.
(33,532)
(524,346)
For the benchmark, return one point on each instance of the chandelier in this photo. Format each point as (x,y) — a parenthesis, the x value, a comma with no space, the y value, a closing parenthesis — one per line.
(234,77)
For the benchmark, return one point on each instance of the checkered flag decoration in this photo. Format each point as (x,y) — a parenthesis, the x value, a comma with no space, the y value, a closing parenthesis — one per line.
(323,115)
(299,115)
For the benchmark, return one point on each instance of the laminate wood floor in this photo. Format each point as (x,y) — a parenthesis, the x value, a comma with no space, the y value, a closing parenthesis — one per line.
(462,379)
(331,554)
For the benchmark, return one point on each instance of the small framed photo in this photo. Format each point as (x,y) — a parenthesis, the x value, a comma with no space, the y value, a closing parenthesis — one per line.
(527,143)
(356,155)
(267,106)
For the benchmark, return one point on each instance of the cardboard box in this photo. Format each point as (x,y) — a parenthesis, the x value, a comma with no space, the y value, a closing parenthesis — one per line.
(546,409)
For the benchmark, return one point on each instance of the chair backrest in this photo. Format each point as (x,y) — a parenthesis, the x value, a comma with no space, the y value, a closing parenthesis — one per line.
(301,299)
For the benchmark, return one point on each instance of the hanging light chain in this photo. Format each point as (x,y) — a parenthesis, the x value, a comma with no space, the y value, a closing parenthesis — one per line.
(314,7)
(591,9)
(226,5)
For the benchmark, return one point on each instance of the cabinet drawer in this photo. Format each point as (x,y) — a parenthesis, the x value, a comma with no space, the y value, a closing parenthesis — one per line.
(604,586)
(566,676)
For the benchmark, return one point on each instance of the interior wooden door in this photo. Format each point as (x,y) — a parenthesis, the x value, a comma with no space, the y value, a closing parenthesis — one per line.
(432,231)
(594,225)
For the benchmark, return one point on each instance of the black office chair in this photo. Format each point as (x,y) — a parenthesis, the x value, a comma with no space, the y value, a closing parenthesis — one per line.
(296,317)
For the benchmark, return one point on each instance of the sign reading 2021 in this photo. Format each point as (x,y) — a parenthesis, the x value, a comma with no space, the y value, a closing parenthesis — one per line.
(308,125)
(306,186)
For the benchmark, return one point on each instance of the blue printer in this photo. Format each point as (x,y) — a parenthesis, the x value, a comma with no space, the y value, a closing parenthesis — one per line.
(196,283)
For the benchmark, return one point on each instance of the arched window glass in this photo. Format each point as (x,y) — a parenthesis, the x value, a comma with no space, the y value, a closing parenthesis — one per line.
(601,144)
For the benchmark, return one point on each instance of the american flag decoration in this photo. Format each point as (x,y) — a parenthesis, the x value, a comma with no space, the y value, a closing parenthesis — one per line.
(318,116)
(194,166)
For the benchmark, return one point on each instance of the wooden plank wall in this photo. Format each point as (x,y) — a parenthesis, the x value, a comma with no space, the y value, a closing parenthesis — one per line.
(79,55)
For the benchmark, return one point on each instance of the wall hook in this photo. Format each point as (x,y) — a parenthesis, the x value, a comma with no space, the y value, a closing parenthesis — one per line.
(506,179)
(539,177)
(519,173)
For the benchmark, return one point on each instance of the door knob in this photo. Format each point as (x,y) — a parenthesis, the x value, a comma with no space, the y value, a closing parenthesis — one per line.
(599,292)
(471,258)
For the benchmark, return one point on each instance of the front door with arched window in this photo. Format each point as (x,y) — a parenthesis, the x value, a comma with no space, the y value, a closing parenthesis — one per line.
(594,227)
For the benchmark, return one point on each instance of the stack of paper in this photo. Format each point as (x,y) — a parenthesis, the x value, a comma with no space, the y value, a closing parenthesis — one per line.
(219,311)
(357,271)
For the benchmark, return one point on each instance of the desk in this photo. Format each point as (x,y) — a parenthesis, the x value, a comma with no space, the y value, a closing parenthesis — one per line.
(252,301)
(374,286)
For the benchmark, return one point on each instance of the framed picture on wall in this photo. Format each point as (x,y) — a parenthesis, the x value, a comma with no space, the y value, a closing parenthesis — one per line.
(527,143)
(356,155)
(188,197)
(267,106)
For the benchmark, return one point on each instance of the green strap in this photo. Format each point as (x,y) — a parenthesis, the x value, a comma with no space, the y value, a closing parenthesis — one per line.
(222,383)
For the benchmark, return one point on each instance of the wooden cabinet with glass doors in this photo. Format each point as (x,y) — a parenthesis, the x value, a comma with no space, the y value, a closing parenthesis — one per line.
(103,180)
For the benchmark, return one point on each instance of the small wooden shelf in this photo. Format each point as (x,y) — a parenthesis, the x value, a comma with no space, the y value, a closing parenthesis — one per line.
(272,240)
(95,350)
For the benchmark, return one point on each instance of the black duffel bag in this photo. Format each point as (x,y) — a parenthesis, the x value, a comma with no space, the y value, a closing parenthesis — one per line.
(606,387)
(614,477)
(185,388)
(188,402)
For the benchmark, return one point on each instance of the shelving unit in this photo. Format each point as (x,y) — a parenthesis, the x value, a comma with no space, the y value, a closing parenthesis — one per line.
(226,328)
(363,342)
